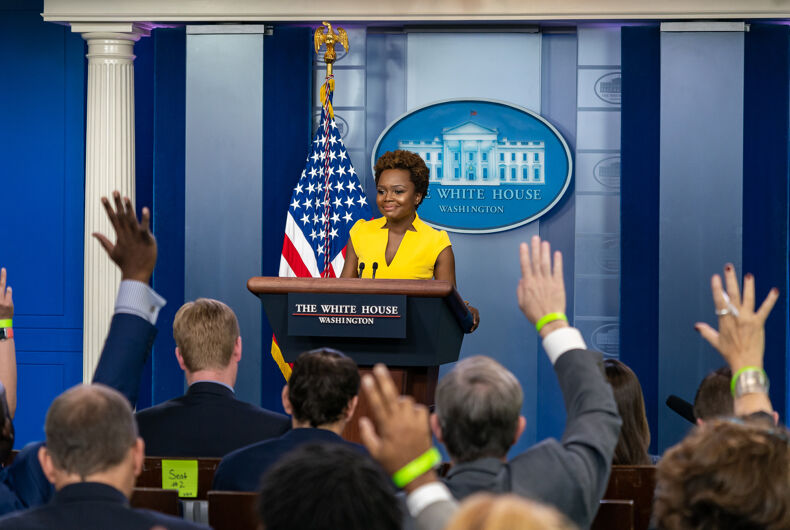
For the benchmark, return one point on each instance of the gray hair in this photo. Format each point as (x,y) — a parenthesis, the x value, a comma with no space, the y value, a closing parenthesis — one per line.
(89,428)
(478,405)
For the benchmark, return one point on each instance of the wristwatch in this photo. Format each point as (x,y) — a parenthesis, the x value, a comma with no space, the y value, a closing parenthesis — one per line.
(6,333)
(752,381)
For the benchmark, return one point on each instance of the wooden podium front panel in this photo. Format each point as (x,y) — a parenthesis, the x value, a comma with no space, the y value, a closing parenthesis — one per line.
(416,381)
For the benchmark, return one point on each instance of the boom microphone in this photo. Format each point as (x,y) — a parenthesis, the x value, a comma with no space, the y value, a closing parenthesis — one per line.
(361,268)
(682,407)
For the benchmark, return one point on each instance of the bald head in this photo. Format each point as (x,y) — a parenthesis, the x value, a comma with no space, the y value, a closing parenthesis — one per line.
(89,428)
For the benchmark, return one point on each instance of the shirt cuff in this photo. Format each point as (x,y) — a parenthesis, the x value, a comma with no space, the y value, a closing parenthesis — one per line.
(424,496)
(562,340)
(137,298)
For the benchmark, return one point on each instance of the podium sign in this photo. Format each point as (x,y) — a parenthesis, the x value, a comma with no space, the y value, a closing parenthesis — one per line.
(346,315)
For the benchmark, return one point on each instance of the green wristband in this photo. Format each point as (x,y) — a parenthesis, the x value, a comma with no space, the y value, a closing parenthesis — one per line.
(7,323)
(551,317)
(737,374)
(419,466)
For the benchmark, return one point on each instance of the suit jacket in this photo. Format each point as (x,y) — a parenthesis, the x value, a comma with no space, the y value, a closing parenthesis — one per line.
(207,421)
(572,473)
(242,469)
(91,505)
(23,484)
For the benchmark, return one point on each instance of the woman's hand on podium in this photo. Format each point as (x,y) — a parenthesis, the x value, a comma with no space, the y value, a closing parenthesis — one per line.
(135,248)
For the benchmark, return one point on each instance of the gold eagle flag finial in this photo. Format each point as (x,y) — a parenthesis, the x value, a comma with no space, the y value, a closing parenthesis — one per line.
(330,38)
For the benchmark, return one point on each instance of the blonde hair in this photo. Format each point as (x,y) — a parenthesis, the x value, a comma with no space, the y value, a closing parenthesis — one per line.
(205,332)
(485,511)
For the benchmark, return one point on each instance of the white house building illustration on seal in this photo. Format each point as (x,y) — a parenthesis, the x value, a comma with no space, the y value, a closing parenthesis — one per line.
(471,154)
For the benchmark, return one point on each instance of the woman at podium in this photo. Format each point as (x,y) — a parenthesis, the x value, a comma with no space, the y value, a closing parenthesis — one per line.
(399,244)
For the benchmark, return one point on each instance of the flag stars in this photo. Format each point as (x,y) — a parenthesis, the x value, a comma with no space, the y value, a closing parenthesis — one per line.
(305,219)
(314,157)
(332,155)
(350,201)
(361,200)
(313,234)
(298,188)
(313,173)
(341,170)
(332,140)
(315,218)
(335,217)
(338,202)
(333,233)
(310,188)
(351,171)
(342,154)
(348,217)
(308,203)
(351,186)
(295,205)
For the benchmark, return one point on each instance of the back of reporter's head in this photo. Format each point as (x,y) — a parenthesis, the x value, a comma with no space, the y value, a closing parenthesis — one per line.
(322,384)
(89,428)
(485,511)
(326,487)
(634,441)
(478,405)
(714,397)
(725,474)
(205,332)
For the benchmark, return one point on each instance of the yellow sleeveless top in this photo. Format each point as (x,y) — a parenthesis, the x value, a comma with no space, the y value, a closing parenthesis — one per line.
(415,257)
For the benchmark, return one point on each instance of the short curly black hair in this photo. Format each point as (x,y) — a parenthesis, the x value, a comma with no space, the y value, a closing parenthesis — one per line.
(411,162)
(322,383)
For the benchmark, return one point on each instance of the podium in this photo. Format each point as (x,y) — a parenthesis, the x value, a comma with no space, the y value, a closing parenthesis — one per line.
(412,326)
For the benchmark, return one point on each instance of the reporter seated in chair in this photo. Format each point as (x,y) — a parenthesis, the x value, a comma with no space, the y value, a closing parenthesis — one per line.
(321,396)
(208,420)
(93,457)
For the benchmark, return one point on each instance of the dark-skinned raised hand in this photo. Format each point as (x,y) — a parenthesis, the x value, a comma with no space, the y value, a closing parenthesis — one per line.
(135,248)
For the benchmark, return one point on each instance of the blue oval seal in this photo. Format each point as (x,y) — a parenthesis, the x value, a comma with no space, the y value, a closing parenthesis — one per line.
(493,166)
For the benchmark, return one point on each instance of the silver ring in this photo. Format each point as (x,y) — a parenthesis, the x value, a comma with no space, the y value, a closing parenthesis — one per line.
(723,312)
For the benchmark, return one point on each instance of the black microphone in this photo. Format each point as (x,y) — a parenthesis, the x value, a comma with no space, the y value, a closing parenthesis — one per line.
(361,268)
(375,266)
(682,408)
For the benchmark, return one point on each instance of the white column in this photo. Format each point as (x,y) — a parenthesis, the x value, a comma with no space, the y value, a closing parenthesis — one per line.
(109,165)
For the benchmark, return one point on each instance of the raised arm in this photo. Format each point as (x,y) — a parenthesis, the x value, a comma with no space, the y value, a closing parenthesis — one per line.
(740,338)
(132,330)
(7,346)
(579,464)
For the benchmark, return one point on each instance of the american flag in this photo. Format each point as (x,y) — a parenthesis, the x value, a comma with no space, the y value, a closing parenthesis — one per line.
(325,204)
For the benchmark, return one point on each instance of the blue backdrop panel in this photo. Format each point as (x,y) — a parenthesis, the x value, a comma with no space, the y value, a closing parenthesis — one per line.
(765,186)
(223,193)
(42,172)
(143,159)
(558,105)
(701,200)
(639,201)
(437,68)
(169,80)
(286,139)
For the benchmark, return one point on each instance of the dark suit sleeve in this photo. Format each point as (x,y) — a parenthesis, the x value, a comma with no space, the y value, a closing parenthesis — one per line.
(592,427)
(125,352)
(23,484)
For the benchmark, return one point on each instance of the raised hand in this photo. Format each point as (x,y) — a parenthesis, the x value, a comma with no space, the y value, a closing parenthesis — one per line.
(541,289)
(741,335)
(401,432)
(6,298)
(135,248)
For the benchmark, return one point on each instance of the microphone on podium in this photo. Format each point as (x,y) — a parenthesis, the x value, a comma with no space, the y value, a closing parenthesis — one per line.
(375,266)
(361,268)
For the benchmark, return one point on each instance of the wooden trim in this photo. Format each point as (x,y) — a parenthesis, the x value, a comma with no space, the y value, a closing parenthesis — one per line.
(420,288)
